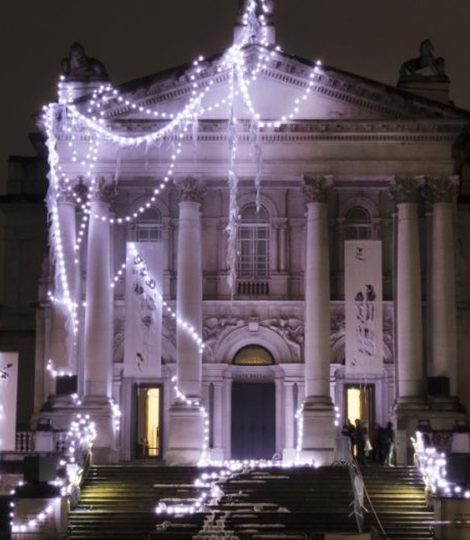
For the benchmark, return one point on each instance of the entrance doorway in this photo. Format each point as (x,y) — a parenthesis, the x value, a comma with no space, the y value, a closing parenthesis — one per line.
(149,421)
(253,420)
(360,403)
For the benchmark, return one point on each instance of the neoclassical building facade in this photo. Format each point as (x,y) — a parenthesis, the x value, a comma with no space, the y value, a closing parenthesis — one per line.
(289,251)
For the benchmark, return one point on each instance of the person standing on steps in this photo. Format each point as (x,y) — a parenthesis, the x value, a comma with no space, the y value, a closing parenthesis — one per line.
(389,443)
(360,442)
(348,431)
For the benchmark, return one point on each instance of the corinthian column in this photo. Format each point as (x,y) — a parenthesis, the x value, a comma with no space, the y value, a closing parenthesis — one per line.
(318,416)
(408,302)
(443,192)
(186,422)
(99,318)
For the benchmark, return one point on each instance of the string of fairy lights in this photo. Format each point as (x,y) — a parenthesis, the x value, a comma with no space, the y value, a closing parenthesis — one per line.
(77,447)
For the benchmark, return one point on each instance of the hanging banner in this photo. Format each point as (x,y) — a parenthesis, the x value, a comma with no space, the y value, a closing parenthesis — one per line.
(143,323)
(363,307)
(8,392)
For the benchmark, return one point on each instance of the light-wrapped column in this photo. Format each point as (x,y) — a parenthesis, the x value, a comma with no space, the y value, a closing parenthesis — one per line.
(62,339)
(99,296)
(186,422)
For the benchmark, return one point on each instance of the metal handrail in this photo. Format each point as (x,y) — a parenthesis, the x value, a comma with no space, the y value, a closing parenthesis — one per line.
(355,471)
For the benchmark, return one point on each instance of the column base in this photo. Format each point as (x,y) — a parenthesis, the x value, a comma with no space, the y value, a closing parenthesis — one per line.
(319,432)
(408,414)
(58,410)
(186,435)
(99,409)
(289,456)
(217,455)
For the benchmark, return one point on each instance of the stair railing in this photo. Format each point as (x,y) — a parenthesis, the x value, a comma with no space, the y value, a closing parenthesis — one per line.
(360,491)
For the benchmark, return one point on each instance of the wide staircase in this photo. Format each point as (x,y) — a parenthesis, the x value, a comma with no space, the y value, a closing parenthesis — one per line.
(397,495)
(118,502)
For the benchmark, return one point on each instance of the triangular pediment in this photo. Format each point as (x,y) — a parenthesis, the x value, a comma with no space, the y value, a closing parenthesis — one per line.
(280,87)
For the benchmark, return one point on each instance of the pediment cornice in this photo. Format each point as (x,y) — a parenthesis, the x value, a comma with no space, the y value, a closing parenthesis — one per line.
(354,91)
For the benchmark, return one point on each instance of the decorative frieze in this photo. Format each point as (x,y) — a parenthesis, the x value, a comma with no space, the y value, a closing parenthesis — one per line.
(315,188)
(190,189)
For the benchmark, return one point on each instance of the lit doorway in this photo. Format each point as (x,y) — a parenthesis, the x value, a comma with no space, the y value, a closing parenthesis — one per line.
(253,420)
(360,403)
(149,421)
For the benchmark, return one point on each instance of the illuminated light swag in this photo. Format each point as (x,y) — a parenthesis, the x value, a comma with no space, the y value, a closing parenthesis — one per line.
(78,445)
(433,467)
(90,121)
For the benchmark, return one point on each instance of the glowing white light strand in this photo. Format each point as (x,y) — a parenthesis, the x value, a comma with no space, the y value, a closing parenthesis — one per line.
(433,467)
(56,234)
(149,283)
(80,437)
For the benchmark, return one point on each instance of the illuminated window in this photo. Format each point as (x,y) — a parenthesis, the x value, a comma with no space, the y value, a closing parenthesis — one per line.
(253,243)
(148,228)
(358,224)
(253,355)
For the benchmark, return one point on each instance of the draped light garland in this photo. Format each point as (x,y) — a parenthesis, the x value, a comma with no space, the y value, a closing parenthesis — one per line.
(433,468)
(78,445)
(66,120)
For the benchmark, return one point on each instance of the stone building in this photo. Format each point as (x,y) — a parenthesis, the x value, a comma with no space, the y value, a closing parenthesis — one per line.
(286,237)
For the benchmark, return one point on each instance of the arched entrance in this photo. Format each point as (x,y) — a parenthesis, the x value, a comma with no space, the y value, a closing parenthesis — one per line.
(253,423)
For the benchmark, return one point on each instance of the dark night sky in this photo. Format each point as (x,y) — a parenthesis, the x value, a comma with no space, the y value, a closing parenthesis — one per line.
(139,37)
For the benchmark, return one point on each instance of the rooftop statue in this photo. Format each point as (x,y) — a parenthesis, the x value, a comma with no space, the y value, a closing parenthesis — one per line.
(79,67)
(426,65)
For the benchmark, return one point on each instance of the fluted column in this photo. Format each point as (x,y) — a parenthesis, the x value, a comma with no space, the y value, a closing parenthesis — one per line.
(186,426)
(318,435)
(409,333)
(99,297)
(443,192)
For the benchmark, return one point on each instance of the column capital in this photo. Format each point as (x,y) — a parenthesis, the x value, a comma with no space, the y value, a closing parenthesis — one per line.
(315,188)
(104,190)
(404,189)
(441,189)
(64,192)
(190,189)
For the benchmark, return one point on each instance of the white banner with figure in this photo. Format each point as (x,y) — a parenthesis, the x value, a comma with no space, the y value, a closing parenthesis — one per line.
(143,322)
(363,307)
(8,393)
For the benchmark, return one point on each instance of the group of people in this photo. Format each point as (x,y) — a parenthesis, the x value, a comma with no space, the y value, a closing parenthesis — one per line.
(376,445)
